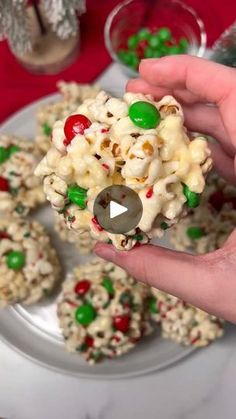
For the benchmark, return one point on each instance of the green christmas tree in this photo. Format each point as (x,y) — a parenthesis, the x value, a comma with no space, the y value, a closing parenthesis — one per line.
(224,50)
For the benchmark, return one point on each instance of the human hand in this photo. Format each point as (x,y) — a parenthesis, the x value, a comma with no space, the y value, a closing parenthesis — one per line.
(206,281)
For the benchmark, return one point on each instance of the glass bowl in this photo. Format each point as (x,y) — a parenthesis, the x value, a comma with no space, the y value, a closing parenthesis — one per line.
(128,17)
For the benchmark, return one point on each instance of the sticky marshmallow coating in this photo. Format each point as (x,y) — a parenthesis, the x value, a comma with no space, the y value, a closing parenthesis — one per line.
(25,191)
(83,241)
(38,276)
(216,217)
(184,323)
(72,95)
(153,162)
(101,339)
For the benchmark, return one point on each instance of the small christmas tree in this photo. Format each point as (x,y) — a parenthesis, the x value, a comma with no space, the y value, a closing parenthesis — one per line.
(61,15)
(224,50)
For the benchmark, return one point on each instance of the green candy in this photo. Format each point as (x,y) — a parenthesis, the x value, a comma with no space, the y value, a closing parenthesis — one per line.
(157,54)
(47,130)
(174,50)
(144,115)
(77,195)
(152,304)
(154,41)
(193,198)
(164,225)
(14,149)
(126,298)
(85,314)
(195,232)
(138,237)
(143,34)
(107,283)
(148,52)
(164,34)
(132,41)
(183,44)
(4,154)
(15,260)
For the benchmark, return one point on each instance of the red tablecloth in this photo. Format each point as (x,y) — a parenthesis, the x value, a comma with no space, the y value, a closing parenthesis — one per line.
(18,87)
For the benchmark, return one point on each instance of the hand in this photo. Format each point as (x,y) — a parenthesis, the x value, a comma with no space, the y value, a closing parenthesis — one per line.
(206,281)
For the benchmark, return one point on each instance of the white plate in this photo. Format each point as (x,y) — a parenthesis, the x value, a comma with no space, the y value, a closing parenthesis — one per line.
(34,331)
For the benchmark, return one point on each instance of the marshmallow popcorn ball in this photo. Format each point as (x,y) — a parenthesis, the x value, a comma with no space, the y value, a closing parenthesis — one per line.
(72,95)
(184,323)
(208,227)
(135,142)
(102,311)
(83,241)
(29,265)
(20,190)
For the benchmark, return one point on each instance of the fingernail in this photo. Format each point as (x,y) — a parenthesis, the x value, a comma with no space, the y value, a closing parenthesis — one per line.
(105,251)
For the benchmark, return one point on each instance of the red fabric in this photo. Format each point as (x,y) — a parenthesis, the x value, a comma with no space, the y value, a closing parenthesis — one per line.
(18,87)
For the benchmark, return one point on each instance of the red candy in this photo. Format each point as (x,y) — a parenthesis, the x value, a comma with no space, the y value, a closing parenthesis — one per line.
(96,223)
(82,287)
(75,124)
(3,235)
(149,193)
(121,323)
(4,185)
(218,199)
(89,341)
(105,166)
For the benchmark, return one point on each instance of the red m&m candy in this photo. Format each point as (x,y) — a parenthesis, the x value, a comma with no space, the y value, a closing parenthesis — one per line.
(121,323)
(82,287)
(75,124)
(4,185)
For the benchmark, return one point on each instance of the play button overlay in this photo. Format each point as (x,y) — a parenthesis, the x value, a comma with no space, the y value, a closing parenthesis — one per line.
(118,209)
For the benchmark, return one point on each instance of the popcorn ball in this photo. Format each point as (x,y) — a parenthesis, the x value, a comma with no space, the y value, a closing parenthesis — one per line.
(29,265)
(102,311)
(184,323)
(20,190)
(208,227)
(135,142)
(83,242)
(72,94)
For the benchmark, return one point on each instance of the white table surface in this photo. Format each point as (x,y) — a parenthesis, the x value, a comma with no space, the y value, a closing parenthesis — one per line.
(202,386)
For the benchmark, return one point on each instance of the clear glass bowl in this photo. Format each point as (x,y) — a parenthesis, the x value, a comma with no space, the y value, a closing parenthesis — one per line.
(128,17)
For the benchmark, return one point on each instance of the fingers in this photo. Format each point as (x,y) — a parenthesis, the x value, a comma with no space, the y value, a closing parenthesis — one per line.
(198,117)
(142,86)
(223,164)
(209,81)
(207,120)
(182,275)
(206,281)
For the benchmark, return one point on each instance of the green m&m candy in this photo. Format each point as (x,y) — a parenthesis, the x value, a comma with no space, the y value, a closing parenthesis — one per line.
(85,314)
(195,232)
(152,304)
(144,33)
(4,154)
(15,260)
(77,195)
(164,225)
(47,130)
(14,149)
(108,285)
(133,41)
(193,198)
(164,34)
(144,115)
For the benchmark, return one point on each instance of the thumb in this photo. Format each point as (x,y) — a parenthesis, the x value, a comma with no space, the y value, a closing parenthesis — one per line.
(191,278)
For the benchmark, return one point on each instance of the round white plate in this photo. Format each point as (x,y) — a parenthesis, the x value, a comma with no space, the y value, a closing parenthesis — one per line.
(34,331)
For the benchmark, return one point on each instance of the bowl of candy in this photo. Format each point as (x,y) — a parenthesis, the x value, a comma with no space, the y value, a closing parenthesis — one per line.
(137,29)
